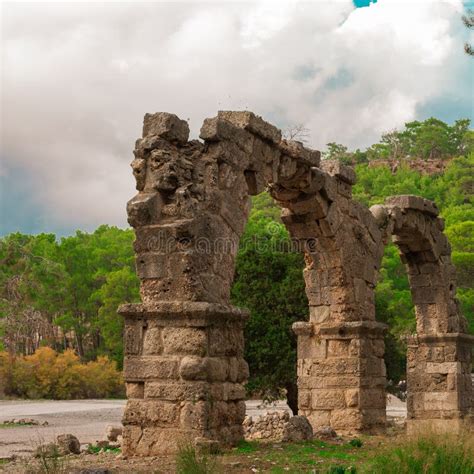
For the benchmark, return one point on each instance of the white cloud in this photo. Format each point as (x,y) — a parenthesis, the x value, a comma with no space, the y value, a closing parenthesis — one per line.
(78,78)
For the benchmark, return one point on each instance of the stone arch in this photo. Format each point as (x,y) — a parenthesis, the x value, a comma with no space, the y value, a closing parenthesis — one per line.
(439,354)
(184,366)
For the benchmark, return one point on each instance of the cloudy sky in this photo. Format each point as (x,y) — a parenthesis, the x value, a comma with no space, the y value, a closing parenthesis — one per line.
(77,78)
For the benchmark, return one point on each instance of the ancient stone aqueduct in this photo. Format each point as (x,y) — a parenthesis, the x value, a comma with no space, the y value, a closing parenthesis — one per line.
(184,365)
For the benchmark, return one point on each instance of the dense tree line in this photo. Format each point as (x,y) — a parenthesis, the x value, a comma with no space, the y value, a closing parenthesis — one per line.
(64,293)
(430,139)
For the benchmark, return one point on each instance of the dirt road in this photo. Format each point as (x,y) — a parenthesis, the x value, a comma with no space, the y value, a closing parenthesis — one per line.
(88,419)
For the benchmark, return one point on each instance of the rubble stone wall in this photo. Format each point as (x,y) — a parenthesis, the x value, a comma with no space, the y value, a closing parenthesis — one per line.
(184,366)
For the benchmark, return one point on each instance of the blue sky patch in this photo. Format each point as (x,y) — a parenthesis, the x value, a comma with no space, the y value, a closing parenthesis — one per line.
(363,3)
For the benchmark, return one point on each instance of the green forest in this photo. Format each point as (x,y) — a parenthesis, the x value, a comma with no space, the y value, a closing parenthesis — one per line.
(63,293)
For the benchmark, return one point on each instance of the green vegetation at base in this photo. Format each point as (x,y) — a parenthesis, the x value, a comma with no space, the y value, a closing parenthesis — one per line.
(191,461)
(375,455)
(432,455)
(95,449)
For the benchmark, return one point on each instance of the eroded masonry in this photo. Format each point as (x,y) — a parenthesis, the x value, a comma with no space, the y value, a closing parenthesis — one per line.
(184,365)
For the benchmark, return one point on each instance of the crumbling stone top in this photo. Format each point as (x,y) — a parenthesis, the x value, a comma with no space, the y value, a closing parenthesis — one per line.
(167,126)
(417,203)
(253,123)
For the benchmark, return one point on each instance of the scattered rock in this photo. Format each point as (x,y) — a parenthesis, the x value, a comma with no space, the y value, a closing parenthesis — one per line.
(68,444)
(277,426)
(298,428)
(85,449)
(325,432)
(267,427)
(113,432)
(25,421)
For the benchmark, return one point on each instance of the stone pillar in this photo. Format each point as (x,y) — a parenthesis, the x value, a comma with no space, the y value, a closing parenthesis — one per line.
(439,356)
(440,394)
(341,375)
(183,370)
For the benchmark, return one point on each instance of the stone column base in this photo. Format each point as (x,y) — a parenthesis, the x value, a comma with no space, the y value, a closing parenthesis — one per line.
(184,372)
(341,375)
(440,394)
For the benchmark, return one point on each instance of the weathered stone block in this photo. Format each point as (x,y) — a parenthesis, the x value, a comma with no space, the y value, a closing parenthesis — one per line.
(148,367)
(338,348)
(440,401)
(372,398)
(233,391)
(253,123)
(336,168)
(132,337)
(296,150)
(135,389)
(152,341)
(185,341)
(226,341)
(318,418)
(193,368)
(195,415)
(150,413)
(177,391)
(327,399)
(443,367)
(352,398)
(151,265)
(221,369)
(143,209)
(347,420)
(167,126)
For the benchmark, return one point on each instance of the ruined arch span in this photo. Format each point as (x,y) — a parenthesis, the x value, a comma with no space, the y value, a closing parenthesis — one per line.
(184,366)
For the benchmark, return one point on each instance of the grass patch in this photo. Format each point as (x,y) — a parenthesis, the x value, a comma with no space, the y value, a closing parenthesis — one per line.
(356,443)
(430,454)
(190,461)
(245,447)
(94,449)
(49,461)
(15,425)
(314,456)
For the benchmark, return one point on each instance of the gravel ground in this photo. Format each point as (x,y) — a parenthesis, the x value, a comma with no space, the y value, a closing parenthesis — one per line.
(88,419)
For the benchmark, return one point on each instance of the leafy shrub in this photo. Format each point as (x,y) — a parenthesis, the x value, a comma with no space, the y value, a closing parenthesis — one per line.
(61,376)
(424,455)
(342,470)
(356,443)
(96,449)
